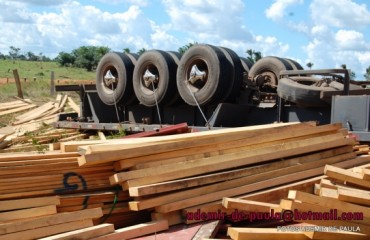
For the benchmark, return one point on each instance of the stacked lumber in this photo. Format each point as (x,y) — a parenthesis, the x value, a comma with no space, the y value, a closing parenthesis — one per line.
(171,174)
(33,174)
(343,195)
(15,107)
(37,217)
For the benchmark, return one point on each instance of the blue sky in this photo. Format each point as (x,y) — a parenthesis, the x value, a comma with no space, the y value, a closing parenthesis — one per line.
(327,33)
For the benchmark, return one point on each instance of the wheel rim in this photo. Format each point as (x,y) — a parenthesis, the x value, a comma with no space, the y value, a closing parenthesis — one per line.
(150,79)
(266,79)
(110,79)
(196,75)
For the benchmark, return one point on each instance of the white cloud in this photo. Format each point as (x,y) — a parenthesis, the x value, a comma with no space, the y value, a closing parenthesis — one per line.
(351,40)
(276,11)
(339,13)
(208,20)
(75,25)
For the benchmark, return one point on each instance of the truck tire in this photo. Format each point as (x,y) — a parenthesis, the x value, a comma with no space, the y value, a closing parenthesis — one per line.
(162,69)
(247,65)
(133,56)
(114,79)
(211,85)
(236,78)
(302,91)
(176,56)
(269,68)
(295,65)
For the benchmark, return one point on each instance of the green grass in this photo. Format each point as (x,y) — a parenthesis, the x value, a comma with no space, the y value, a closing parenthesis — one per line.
(38,75)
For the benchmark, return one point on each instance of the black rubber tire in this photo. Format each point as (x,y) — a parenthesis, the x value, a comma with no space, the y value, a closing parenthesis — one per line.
(176,56)
(236,78)
(247,65)
(213,61)
(165,67)
(133,56)
(122,68)
(268,65)
(295,65)
(300,90)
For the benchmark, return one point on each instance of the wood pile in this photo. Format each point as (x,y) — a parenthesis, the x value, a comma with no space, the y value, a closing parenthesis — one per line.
(146,185)
(38,218)
(32,130)
(338,209)
(174,176)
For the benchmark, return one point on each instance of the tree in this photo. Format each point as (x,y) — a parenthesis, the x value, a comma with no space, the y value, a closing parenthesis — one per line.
(31,56)
(126,50)
(367,74)
(65,59)
(309,65)
(88,57)
(141,51)
(14,52)
(253,56)
(184,48)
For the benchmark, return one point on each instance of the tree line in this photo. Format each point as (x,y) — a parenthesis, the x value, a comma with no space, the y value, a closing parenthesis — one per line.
(88,57)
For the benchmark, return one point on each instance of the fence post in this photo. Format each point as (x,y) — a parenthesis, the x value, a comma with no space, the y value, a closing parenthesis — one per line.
(52,84)
(18,83)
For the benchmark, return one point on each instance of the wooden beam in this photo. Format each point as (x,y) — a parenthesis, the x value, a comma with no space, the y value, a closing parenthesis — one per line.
(28,203)
(47,231)
(346,175)
(28,213)
(98,153)
(85,233)
(247,205)
(336,235)
(358,197)
(227,161)
(216,195)
(228,175)
(44,221)
(136,230)
(328,202)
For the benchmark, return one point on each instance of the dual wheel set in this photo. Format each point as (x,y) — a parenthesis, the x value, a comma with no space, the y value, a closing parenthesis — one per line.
(204,75)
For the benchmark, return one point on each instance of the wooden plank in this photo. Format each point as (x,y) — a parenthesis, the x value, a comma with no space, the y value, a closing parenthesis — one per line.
(247,205)
(73,105)
(136,230)
(263,234)
(28,203)
(228,175)
(262,174)
(172,143)
(85,233)
(28,213)
(15,110)
(328,202)
(346,175)
(34,156)
(34,114)
(283,179)
(44,221)
(227,161)
(333,219)
(47,231)
(11,106)
(336,235)
(359,197)
(173,218)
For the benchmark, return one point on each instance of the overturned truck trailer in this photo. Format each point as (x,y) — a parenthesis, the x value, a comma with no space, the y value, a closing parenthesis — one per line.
(211,87)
